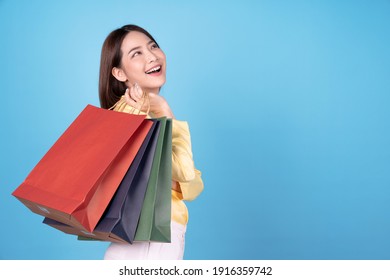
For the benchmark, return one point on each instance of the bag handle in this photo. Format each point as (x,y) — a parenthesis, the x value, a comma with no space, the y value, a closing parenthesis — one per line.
(144,97)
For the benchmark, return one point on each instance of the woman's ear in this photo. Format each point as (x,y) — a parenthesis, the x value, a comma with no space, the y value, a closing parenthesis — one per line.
(119,74)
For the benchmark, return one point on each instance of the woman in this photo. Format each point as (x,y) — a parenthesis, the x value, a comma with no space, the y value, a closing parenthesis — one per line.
(132,71)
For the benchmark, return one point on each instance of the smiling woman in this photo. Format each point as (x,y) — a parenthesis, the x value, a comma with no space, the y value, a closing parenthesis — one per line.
(132,71)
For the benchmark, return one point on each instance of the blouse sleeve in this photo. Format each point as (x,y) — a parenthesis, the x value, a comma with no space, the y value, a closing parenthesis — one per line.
(183,169)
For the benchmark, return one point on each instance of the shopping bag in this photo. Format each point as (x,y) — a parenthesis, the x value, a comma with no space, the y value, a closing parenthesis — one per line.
(75,180)
(119,223)
(155,219)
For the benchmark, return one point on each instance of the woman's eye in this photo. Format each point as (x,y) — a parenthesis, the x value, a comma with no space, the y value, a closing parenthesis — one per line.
(136,54)
(154,46)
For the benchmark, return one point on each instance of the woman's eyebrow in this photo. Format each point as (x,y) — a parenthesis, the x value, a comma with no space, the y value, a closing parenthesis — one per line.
(133,49)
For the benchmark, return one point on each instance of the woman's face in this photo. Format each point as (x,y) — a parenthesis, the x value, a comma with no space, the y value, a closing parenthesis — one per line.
(143,62)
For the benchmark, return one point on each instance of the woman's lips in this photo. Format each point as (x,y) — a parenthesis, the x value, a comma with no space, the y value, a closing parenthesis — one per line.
(156,73)
(153,70)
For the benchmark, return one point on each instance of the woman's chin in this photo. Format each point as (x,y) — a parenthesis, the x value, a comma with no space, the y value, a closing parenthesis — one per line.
(153,87)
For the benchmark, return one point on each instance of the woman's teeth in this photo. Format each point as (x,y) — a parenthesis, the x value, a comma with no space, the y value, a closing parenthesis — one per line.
(153,70)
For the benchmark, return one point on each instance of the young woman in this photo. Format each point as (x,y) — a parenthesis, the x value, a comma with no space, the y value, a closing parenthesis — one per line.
(132,71)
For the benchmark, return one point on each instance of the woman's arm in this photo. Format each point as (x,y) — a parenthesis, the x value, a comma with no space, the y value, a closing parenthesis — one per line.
(183,169)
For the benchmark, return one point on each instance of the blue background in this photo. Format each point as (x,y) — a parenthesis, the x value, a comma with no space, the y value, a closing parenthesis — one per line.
(287,101)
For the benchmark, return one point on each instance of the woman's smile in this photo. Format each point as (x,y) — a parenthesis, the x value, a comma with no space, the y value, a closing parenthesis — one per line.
(154,71)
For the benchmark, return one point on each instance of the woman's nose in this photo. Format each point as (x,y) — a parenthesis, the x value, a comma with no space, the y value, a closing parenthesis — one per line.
(151,57)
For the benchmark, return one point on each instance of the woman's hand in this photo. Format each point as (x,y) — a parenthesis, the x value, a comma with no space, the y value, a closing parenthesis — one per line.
(148,102)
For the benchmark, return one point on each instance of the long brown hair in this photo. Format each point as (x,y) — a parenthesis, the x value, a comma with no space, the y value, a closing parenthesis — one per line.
(110,89)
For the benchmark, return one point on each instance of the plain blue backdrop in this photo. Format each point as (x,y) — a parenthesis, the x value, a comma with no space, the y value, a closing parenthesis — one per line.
(288,104)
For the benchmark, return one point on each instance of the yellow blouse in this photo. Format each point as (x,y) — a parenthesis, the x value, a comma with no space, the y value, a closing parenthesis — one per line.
(183,169)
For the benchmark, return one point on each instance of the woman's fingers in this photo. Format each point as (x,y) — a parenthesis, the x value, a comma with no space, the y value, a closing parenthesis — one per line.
(129,99)
(135,98)
(138,91)
(148,102)
(135,92)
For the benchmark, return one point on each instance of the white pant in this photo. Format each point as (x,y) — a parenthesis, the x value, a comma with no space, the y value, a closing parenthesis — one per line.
(150,250)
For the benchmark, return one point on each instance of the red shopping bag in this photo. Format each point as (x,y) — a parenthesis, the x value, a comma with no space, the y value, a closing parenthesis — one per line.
(75,180)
